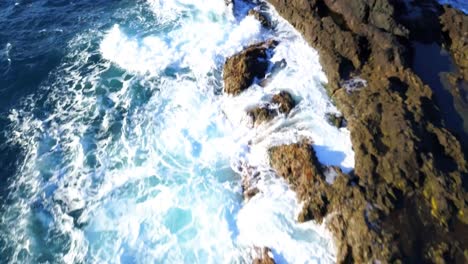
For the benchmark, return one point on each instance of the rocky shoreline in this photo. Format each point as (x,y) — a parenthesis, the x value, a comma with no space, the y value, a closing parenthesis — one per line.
(405,201)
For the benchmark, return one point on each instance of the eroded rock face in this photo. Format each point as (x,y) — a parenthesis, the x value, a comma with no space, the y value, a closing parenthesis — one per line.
(411,172)
(242,69)
(281,103)
(455,25)
(342,199)
(361,233)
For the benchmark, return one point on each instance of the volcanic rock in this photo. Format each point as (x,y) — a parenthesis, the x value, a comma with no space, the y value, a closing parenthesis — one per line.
(406,200)
(281,103)
(263,257)
(248,66)
(455,25)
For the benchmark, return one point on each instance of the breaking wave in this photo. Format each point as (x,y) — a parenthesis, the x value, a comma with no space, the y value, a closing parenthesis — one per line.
(130,149)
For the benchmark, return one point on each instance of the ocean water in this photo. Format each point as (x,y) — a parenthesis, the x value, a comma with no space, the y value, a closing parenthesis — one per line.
(122,148)
(117,144)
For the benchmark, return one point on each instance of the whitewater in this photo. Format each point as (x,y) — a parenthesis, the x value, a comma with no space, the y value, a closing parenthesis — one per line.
(130,151)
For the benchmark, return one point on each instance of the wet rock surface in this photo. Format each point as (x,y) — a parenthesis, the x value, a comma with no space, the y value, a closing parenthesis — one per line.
(244,68)
(406,200)
(281,103)
(362,232)
(250,178)
(343,200)
(264,256)
(455,26)
(298,164)
(261,16)
(455,29)
(336,120)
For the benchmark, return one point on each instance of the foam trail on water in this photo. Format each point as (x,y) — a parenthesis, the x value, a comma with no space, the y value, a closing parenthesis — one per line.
(133,159)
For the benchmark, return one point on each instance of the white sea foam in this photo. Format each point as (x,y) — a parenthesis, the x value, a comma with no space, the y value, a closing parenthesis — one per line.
(132,162)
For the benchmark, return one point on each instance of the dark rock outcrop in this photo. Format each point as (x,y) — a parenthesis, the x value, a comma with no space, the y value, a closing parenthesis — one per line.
(455,25)
(242,69)
(406,199)
(281,103)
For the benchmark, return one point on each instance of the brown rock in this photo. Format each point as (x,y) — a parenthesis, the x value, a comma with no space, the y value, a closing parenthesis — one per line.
(360,224)
(241,70)
(411,171)
(280,103)
(250,178)
(298,164)
(263,257)
(455,25)
(284,101)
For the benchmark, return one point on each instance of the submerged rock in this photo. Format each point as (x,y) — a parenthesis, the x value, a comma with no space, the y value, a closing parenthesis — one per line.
(336,120)
(284,101)
(281,103)
(261,16)
(250,178)
(406,199)
(252,64)
(263,256)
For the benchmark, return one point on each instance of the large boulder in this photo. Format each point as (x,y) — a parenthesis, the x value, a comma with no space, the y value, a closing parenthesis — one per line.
(251,64)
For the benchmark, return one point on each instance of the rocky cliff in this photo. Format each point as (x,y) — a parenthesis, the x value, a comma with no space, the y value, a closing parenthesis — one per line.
(406,200)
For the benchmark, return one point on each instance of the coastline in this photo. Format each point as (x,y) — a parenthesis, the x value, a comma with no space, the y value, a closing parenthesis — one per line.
(228,132)
(406,199)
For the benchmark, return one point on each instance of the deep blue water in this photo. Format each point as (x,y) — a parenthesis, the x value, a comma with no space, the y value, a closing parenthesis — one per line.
(34,36)
(33,40)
